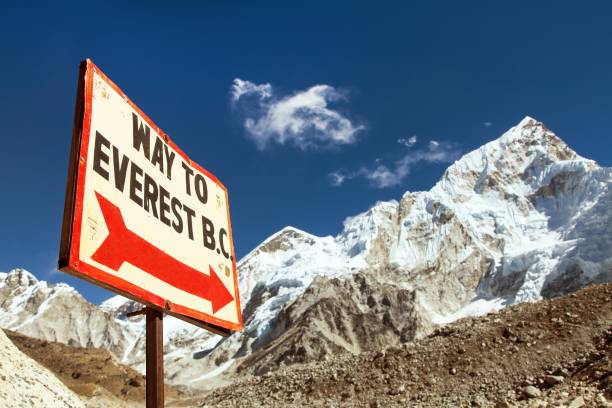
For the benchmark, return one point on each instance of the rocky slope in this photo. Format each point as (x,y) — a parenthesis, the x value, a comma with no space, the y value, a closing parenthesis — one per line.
(549,353)
(93,374)
(510,222)
(25,383)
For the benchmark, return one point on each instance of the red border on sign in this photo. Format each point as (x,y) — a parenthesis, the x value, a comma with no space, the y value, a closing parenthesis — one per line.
(75,266)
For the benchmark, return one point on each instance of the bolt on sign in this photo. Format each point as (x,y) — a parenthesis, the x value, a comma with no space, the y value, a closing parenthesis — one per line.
(141,218)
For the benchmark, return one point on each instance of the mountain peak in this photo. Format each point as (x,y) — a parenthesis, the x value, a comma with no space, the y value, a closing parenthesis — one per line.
(20,277)
(528,128)
(292,229)
(528,121)
(532,136)
(519,162)
(284,239)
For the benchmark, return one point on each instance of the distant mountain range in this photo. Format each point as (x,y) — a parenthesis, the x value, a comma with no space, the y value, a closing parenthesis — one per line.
(521,218)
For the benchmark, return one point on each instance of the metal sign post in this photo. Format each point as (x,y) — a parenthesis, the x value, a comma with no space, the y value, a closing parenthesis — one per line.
(155,358)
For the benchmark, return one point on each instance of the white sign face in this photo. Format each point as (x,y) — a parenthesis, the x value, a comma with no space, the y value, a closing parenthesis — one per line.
(148,222)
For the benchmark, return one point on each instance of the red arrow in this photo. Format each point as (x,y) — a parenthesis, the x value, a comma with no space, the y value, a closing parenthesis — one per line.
(122,245)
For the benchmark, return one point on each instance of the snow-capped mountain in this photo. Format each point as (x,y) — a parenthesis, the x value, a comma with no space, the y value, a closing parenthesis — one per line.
(512,221)
(520,218)
(57,312)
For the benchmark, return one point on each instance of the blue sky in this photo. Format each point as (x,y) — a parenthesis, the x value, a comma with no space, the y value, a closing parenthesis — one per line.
(297,108)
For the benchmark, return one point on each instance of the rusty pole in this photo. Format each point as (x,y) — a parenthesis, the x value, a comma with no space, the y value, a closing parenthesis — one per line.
(155,358)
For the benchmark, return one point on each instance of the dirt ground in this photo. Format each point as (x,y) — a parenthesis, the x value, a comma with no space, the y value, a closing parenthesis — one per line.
(554,353)
(93,374)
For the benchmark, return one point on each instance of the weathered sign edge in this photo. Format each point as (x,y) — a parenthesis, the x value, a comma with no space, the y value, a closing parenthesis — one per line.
(75,145)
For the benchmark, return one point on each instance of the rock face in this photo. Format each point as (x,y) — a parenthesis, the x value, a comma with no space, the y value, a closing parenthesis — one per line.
(521,218)
(335,315)
(58,313)
(25,383)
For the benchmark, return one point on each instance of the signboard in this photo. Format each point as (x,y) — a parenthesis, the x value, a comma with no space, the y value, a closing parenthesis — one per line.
(141,218)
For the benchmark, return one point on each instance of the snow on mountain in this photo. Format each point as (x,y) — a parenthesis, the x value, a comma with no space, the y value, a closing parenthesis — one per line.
(184,343)
(520,218)
(58,313)
(512,221)
(284,264)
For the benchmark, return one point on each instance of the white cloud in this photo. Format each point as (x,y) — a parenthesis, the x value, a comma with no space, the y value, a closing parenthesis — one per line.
(383,176)
(337,178)
(303,119)
(240,88)
(409,142)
